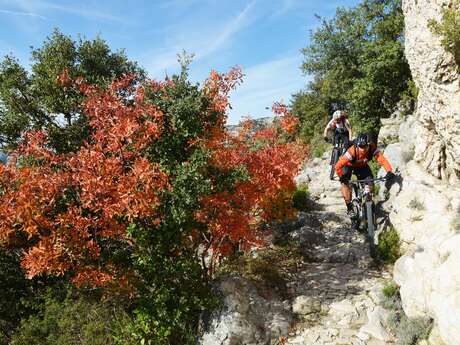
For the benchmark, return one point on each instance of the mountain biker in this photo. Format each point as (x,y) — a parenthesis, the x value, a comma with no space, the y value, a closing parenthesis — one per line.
(340,126)
(354,161)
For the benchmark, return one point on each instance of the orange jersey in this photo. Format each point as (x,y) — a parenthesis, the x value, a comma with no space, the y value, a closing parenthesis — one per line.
(356,157)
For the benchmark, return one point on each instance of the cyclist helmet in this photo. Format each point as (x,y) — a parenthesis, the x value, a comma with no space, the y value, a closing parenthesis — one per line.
(362,140)
(337,114)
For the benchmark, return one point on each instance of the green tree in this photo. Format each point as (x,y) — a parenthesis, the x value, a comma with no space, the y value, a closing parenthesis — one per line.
(37,99)
(14,288)
(357,60)
(449,29)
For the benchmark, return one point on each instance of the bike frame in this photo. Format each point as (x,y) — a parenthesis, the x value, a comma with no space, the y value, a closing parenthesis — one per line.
(337,150)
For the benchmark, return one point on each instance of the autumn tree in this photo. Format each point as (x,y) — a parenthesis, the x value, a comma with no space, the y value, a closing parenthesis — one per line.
(157,186)
(37,100)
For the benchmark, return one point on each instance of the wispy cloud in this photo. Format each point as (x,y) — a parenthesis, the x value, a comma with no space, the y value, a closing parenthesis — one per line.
(90,13)
(264,84)
(285,7)
(241,21)
(20,13)
(197,41)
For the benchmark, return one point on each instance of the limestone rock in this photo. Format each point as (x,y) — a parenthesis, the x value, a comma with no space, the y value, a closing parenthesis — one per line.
(246,317)
(374,326)
(304,305)
(389,132)
(436,75)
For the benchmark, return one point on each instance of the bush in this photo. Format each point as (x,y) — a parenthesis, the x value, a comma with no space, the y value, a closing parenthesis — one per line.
(390,290)
(300,198)
(406,330)
(70,322)
(449,30)
(411,331)
(14,288)
(388,247)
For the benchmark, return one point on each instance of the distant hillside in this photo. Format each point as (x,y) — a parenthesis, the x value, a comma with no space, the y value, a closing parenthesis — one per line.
(3,158)
(258,124)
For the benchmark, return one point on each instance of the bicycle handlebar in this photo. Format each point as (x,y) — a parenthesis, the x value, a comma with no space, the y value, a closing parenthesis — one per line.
(380,179)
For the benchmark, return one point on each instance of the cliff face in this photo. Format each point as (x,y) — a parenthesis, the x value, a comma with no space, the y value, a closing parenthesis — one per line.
(437,147)
(426,210)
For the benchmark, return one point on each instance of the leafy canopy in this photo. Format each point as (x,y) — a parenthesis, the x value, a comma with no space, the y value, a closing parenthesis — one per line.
(37,100)
(357,63)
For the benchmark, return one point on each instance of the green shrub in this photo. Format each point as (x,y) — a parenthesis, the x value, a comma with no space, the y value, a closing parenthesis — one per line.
(375,167)
(411,331)
(391,298)
(14,288)
(319,147)
(388,247)
(449,29)
(390,290)
(300,198)
(71,322)
(407,331)
(409,97)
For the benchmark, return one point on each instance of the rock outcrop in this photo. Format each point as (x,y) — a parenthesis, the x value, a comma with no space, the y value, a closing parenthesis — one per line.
(246,317)
(426,210)
(437,147)
(426,213)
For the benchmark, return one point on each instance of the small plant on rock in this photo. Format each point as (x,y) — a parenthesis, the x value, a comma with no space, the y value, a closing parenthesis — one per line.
(390,290)
(408,331)
(388,248)
(455,224)
(412,331)
(449,29)
(417,204)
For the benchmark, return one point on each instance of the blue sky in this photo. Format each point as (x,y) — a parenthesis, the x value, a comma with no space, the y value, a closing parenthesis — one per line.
(264,37)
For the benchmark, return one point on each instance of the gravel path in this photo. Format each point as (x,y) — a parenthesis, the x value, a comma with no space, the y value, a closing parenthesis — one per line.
(337,292)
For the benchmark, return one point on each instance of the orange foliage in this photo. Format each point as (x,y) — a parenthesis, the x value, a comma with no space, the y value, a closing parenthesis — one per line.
(233,217)
(66,204)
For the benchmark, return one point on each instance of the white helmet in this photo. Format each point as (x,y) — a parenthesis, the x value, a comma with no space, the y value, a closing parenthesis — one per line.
(337,114)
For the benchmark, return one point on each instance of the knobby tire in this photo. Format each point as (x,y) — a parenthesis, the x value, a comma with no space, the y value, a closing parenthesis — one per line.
(334,159)
(370,228)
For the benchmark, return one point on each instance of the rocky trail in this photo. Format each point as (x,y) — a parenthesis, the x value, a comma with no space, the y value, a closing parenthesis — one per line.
(338,293)
(332,295)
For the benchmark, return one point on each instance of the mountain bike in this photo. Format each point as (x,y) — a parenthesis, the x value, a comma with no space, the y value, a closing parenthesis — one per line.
(338,149)
(364,208)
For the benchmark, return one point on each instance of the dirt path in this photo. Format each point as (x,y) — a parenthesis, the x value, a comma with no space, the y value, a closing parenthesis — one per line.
(338,290)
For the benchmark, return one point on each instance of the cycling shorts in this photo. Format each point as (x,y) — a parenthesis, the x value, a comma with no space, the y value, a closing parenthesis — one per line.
(362,173)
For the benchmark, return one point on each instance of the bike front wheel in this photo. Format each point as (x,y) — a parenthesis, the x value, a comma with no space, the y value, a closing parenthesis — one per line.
(370,218)
(334,159)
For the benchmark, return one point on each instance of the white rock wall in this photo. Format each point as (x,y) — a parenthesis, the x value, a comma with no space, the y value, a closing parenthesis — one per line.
(426,214)
(436,75)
